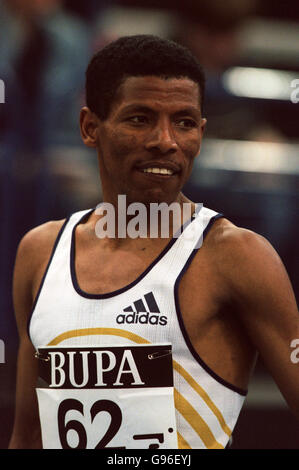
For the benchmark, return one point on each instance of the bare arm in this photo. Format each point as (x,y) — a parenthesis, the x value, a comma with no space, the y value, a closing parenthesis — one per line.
(267,307)
(31,260)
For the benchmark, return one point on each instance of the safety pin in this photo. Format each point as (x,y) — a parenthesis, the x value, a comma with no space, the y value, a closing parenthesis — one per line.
(158,354)
(38,355)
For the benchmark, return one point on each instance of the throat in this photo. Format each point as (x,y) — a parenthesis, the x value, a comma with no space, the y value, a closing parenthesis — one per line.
(103,267)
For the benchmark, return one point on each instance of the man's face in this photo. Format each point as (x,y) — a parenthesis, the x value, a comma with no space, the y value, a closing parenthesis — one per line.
(148,143)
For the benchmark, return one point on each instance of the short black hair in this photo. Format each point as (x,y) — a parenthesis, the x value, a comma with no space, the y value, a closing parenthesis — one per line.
(138,55)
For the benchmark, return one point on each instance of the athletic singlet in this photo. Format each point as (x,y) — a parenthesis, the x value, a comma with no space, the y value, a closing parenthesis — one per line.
(145,311)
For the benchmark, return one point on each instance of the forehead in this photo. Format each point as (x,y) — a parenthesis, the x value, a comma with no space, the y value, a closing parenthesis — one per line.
(155,91)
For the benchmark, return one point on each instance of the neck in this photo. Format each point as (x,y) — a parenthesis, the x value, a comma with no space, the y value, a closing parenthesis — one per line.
(156,220)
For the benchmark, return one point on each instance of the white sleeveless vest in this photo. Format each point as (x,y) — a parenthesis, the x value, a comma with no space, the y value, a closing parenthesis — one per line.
(145,311)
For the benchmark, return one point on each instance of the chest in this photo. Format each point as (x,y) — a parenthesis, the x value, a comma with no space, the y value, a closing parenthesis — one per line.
(99,272)
(198,291)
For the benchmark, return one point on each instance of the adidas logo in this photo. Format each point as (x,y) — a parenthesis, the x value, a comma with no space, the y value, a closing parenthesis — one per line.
(143,311)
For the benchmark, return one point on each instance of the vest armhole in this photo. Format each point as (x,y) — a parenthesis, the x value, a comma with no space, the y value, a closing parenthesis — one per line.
(234,388)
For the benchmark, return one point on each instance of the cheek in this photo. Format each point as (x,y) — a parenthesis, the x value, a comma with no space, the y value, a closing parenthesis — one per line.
(191,149)
(122,144)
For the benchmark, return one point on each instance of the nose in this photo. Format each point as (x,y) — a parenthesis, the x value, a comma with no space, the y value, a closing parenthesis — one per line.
(162,139)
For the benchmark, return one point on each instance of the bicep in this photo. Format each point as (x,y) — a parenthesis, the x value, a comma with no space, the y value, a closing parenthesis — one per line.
(26,423)
(267,307)
(26,431)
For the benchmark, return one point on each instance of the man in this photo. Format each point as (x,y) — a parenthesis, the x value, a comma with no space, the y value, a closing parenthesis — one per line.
(213,299)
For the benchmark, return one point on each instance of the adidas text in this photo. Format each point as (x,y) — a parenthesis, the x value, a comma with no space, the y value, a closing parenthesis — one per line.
(144,318)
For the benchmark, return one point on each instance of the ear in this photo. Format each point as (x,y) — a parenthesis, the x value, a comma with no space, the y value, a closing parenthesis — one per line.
(203,123)
(89,127)
(202,126)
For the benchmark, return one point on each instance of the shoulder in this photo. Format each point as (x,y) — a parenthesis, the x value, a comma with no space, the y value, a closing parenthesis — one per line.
(39,240)
(33,253)
(244,258)
(32,256)
(236,241)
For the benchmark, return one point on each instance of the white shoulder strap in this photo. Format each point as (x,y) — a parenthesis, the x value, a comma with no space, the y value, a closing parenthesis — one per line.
(173,259)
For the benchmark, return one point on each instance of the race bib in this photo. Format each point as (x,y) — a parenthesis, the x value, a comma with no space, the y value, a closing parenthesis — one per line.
(117,397)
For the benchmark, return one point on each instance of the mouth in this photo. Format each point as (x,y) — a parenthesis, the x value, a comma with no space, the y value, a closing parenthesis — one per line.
(158,171)
(162,170)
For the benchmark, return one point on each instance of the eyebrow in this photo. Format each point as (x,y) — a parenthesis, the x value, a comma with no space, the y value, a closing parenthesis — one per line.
(188,110)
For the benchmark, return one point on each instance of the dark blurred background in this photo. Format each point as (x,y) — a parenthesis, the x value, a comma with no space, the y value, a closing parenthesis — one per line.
(248,168)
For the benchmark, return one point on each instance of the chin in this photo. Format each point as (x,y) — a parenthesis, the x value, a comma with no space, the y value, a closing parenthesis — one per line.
(157,197)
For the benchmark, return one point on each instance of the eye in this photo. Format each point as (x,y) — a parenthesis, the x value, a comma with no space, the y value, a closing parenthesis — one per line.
(138,119)
(186,123)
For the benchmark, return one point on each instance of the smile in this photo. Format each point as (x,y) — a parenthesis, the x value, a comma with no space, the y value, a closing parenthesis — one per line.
(158,171)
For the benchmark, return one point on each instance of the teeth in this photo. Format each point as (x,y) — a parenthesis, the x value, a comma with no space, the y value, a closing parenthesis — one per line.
(159,171)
